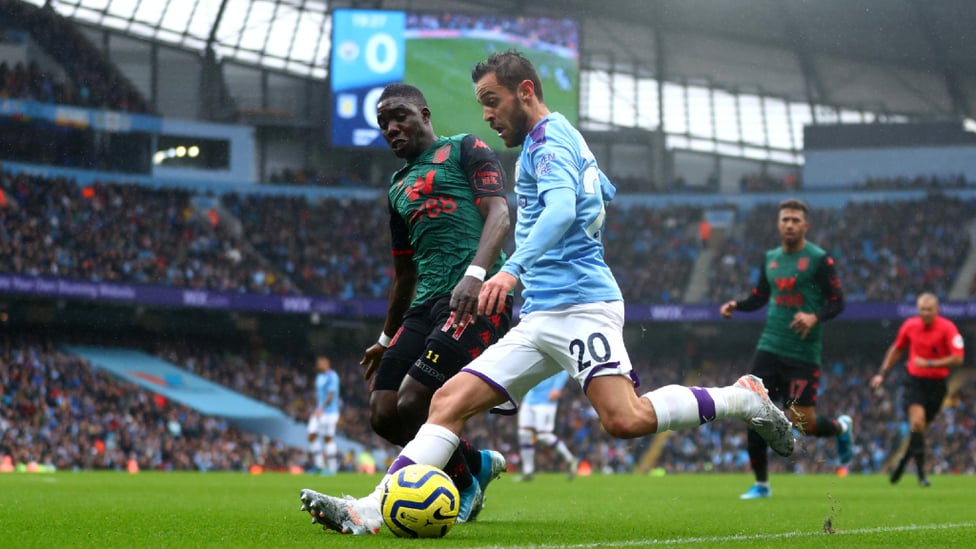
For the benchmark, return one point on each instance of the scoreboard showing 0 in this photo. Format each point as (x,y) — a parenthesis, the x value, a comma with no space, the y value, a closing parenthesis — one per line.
(367,54)
(373,48)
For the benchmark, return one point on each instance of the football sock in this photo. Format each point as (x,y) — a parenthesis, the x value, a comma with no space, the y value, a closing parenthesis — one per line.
(916,447)
(678,407)
(318,457)
(457,469)
(827,427)
(563,450)
(433,445)
(527,451)
(471,455)
(332,455)
(758,457)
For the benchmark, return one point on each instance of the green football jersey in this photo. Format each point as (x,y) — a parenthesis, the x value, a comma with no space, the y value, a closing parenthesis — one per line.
(794,286)
(434,210)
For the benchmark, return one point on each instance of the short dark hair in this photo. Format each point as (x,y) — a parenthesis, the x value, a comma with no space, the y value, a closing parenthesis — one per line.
(795,204)
(406,91)
(510,68)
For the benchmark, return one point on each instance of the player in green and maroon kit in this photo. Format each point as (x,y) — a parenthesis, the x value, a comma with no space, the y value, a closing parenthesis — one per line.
(799,282)
(448,219)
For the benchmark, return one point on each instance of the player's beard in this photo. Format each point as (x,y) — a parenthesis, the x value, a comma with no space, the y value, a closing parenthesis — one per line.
(520,120)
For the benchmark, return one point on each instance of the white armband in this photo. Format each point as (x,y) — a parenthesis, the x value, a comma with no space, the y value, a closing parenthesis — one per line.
(384,340)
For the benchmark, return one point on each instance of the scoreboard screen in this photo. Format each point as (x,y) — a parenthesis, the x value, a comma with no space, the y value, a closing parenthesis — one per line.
(373,48)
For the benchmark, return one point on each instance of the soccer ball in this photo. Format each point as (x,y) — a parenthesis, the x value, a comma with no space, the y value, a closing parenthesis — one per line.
(420,501)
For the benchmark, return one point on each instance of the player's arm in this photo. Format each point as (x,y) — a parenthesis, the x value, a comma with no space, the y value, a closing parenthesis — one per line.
(829,282)
(401,292)
(484,172)
(891,357)
(555,219)
(826,278)
(557,181)
(756,300)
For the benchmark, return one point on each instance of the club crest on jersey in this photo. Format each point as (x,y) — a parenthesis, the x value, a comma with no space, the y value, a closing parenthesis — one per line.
(772,265)
(803,263)
(442,154)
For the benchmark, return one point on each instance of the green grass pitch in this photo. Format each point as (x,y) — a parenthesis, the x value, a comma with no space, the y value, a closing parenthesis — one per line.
(442,69)
(104,509)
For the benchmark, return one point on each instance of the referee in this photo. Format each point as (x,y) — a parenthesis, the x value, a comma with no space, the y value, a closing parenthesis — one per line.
(934,345)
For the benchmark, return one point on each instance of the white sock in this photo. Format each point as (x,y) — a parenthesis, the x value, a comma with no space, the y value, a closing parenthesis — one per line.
(332,455)
(679,407)
(318,458)
(564,451)
(433,445)
(528,460)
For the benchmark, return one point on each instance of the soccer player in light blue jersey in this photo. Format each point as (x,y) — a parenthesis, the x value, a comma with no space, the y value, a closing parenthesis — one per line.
(572,318)
(537,425)
(324,419)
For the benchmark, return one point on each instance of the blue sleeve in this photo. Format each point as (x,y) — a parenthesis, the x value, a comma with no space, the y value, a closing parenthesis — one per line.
(552,224)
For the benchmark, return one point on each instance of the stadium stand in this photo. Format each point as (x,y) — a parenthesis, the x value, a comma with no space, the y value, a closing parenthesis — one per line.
(92,80)
(60,411)
(886,250)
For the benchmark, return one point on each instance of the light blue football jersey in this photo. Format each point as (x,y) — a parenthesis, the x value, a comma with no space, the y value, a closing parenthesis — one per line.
(573,271)
(325,383)
(540,393)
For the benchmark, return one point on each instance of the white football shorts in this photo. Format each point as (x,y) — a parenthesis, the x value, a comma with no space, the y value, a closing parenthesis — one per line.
(540,418)
(324,425)
(585,340)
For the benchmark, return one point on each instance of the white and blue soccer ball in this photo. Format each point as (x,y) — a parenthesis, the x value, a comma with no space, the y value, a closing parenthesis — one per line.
(420,501)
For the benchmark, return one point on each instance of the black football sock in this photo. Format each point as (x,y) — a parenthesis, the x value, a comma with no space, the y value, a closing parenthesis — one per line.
(758,456)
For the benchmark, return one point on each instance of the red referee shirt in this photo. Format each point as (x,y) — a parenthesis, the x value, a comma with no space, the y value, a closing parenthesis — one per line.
(939,340)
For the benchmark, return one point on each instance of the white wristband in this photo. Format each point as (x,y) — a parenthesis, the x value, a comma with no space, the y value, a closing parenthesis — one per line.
(384,340)
(476,271)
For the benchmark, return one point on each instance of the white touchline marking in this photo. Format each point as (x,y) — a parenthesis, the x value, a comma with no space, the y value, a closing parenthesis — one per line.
(754,537)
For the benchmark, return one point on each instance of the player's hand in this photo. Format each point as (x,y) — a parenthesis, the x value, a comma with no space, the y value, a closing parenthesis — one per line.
(726,309)
(494,292)
(371,359)
(802,323)
(876,381)
(464,301)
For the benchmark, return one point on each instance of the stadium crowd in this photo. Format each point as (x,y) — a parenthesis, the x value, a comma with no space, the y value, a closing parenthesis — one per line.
(885,250)
(338,247)
(123,233)
(58,411)
(91,79)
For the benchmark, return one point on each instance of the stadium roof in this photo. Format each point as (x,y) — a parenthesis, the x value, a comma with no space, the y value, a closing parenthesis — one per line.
(909,56)
(896,56)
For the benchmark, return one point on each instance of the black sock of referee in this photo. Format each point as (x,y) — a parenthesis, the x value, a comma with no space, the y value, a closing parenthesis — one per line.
(916,446)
